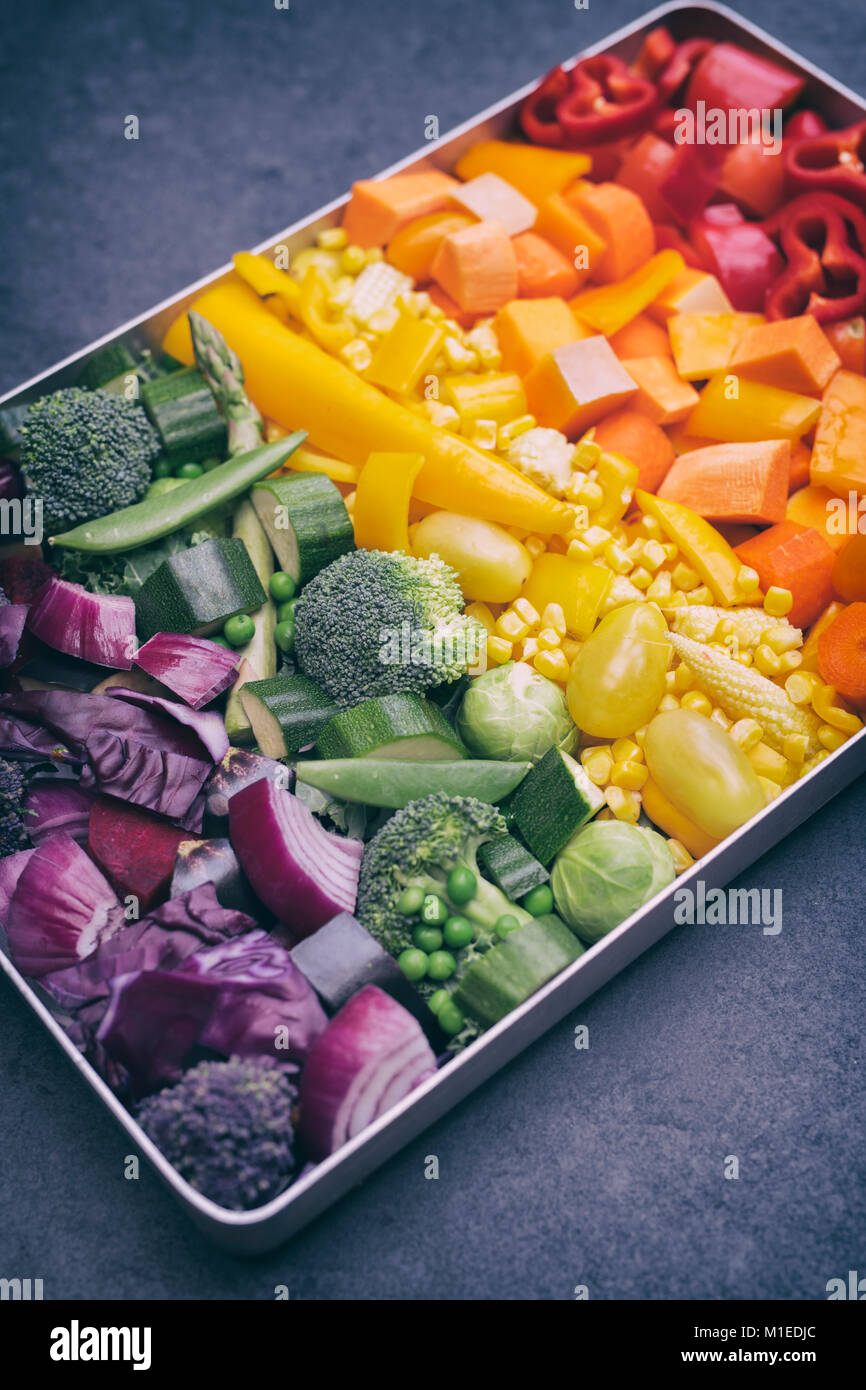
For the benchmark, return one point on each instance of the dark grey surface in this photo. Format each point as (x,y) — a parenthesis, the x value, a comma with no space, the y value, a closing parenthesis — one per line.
(601,1167)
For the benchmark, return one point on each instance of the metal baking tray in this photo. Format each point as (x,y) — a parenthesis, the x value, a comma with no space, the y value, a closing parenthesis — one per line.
(268,1226)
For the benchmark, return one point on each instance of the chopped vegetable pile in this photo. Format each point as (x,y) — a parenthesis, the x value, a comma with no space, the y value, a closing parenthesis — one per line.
(421,610)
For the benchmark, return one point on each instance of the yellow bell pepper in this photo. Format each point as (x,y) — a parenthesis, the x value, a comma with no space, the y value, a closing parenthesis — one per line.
(405,354)
(533,170)
(617,478)
(381,514)
(495,396)
(266,279)
(702,344)
(305,460)
(702,545)
(578,587)
(665,815)
(315,291)
(610,307)
(732,409)
(301,387)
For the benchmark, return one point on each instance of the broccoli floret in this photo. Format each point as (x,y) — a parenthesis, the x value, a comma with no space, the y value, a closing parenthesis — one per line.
(418,847)
(228,1128)
(373,623)
(86,453)
(13,781)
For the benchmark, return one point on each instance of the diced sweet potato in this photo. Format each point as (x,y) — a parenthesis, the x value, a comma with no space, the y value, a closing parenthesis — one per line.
(576,385)
(732,482)
(477,267)
(662,396)
(527,329)
(378,208)
(794,354)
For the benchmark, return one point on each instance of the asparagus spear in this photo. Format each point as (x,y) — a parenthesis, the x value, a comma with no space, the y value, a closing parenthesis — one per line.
(222,370)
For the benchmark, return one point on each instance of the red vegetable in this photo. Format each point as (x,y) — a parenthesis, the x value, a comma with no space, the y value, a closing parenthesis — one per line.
(97,627)
(832,162)
(11,869)
(13,617)
(671,238)
(605,102)
(680,65)
(804,125)
(739,253)
(208,728)
(54,805)
(61,910)
(692,179)
(371,1055)
(538,112)
(823,239)
(729,77)
(135,848)
(644,168)
(22,576)
(657,50)
(193,668)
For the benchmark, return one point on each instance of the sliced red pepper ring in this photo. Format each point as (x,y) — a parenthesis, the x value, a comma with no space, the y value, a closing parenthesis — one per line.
(804,125)
(823,239)
(538,112)
(606,102)
(680,66)
(833,163)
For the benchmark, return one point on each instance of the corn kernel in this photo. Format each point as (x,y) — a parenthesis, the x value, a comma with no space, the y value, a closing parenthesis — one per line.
(625,750)
(616,559)
(548,640)
(586,454)
(747,733)
(576,483)
(677,600)
(640,735)
(578,551)
(629,775)
(459,357)
(701,595)
(527,649)
(653,554)
(499,649)
(383,320)
(671,552)
(697,701)
(831,738)
(484,434)
(357,354)
(483,615)
(767,662)
(799,687)
(768,763)
(824,705)
(680,855)
(795,747)
(597,764)
(444,417)
(536,546)
(770,789)
(554,617)
(683,678)
(661,588)
(782,638)
(569,646)
(341,295)
(667,702)
(524,608)
(651,528)
(685,577)
(641,578)
(333,238)
(552,664)
(373,255)
(719,717)
(626,805)
(747,579)
(778,602)
(595,537)
(511,626)
(515,428)
(591,496)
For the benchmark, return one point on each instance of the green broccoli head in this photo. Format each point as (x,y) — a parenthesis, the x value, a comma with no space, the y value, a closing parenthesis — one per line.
(228,1128)
(418,847)
(13,783)
(86,453)
(374,623)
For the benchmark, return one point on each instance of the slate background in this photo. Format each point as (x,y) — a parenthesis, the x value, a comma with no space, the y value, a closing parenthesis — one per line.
(601,1167)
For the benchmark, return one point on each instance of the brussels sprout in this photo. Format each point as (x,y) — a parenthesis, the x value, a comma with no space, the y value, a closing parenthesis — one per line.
(514,714)
(605,873)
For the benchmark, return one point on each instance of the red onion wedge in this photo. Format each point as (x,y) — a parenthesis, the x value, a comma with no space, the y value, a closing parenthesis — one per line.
(11,869)
(62,909)
(13,616)
(96,627)
(303,873)
(371,1055)
(55,805)
(193,668)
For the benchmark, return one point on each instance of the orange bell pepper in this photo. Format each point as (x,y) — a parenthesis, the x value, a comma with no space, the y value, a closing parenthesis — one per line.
(611,307)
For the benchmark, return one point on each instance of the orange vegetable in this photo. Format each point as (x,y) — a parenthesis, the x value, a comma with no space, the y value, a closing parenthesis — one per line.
(839,451)
(691,292)
(794,354)
(448,306)
(732,482)
(620,218)
(848,337)
(842,653)
(801,464)
(703,344)
(576,385)
(809,650)
(643,170)
(491,199)
(414,247)
(477,267)
(811,506)
(609,307)
(754,176)
(378,208)
(793,557)
(849,571)
(542,270)
(640,338)
(662,396)
(533,170)
(561,223)
(638,438)
(527,329)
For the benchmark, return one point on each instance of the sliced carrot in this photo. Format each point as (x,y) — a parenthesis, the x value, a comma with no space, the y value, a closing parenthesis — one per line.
(793,557)
(378,208)
(842,653)
(637,438)
(849,571)
(848,337)
(414,247)
(801,465)
(691,292)
(705,343)
(839,452)
(477,267)
(813,506)
(576,385)
(527,329)
(662,395)
(450,309)
(563,224)
(542,270)
(794,354)
(754,176)
(809,649)
(620,218)
(644,169)
(533,170)
(641,338)
(732,482)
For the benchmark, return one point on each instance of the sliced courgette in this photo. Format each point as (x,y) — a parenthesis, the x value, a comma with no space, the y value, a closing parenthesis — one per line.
(286,713)
(260,652)
(182,407)
(509,973)
(198,589)
(403,726)
(305,520)
(508,864)
(386,782)
(556,799)
(112,361)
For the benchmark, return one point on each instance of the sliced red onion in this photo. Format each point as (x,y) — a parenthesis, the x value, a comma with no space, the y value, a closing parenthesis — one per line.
(302,872)
(55,806)
(11,869)
(96,627)
(195,669)
(13,616)
(61,910)
(371,1055)
(208,728)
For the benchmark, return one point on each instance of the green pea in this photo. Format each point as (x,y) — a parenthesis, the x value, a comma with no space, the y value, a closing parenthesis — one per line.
(189,470)
(505,925)
(462,885)
(286,611)
(538,901)
(434,913)
(239,630)
(437,999)
(163,468)
(410,901)
(282,586)
(284,635)
(427,939)
(413,964)
(458,932)
(450,1018)
(441,965)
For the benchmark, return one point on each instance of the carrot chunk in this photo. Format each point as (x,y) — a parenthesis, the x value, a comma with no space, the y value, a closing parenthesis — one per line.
(732,482)
(640,338)
(639,439)
(414,248)
(563,224)
(378,208)
(793,557)
(839,452)
(620,218)
(477,267)
(794,354)
(842,653)
(662,395)
(849,571)
(542,270)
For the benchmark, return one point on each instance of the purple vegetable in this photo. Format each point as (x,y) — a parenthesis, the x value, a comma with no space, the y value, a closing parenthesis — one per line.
(239,768)
(11,869)
(13,616)
(57,806)
(371,1055)
(97,627)
(20,738)
(165,782)
(195,669)
(11,483)
(209,729)
(303,873)
(62,909)
(214,862)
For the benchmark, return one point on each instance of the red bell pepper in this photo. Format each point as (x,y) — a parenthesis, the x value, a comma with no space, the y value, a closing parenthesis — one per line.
(830,163)
(823,239)
(728,77)
(692,180)
(606,102)
(538,112)
(670,238)
(680,66)
(739,253)
(753,176)
(804,125)
(657,50)
(645,167)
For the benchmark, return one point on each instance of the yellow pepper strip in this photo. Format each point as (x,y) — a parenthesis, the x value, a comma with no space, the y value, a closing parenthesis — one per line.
(306,460)
(610,307)
(297,384)
(665,815)
(381,515)
(315,292)
(734,410)
(495,396)
(702,545)
(405,354)
(579,587)
(617,478)
(264,277)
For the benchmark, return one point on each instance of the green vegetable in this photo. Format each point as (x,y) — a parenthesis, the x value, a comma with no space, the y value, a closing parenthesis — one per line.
(285,712)
(457,932)
(413,963)
(387,782)
(437,999)
(403,726)
(107,363)
(281,586)
(441,965)
(185,414)
(511,867)
(427,939)
(409,902)
(189,470)
(239,630)
(221,368)
(12,417)
(86,453)
(434,912)
(286,611)
(506,976)
(551,803)
(197,590)
(505,925)
(461,885)
(418,847)
(606,872)
(512,711)
(450,1018)
(306,522)
(163,469)
(374,623)
(149,521)
(161,485)
(284,636)
(539,902)
(259,653)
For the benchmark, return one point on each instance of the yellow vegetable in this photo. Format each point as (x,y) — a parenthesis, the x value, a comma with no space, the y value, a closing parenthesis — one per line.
(618,677)
(495,396)
(708,551)
(578,587)
(405,354)
(305,460)
(381,514)
(492,565)
(736,410)
(703,773)
(665,815)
